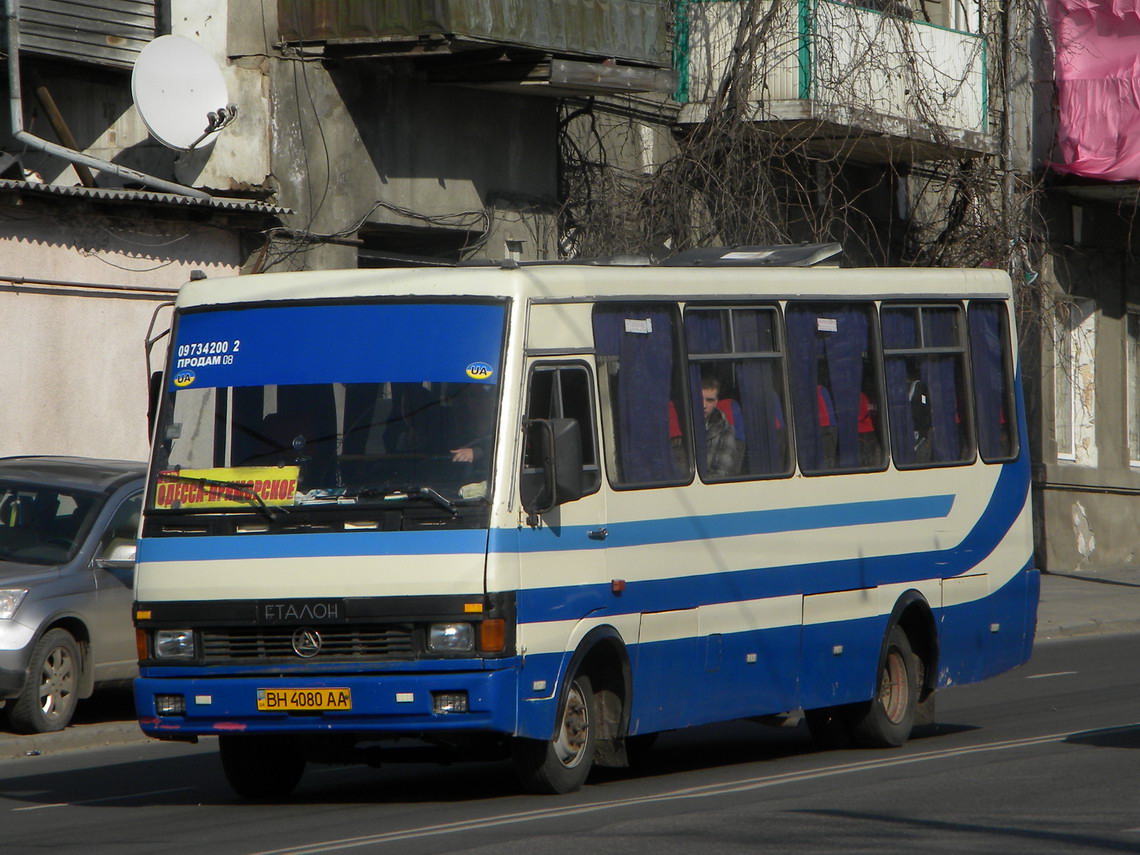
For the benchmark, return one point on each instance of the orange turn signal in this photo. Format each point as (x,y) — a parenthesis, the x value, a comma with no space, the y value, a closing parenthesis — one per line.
(492,635)
(140,643)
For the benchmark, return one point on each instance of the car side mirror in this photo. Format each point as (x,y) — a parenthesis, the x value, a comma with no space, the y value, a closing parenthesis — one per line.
(121,556)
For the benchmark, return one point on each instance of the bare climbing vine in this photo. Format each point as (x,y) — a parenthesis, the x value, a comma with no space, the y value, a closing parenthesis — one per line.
(742,168)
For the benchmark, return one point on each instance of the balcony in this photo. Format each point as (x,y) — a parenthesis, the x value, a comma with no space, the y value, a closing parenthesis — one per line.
(874,86)
(545,47)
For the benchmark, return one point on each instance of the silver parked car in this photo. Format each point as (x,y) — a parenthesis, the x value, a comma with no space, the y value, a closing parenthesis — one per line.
(68,529)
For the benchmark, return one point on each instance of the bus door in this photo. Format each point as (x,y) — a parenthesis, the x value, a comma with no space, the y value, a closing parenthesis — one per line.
(563,573)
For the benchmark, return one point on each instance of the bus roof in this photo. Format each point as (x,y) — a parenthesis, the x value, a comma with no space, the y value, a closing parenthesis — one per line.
(562,282)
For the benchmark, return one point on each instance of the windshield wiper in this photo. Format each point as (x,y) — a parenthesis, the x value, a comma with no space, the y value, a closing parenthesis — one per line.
(243,491)
(428,494)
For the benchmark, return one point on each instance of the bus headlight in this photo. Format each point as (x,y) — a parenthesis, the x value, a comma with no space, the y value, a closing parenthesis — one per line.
(451,638)
(174,644)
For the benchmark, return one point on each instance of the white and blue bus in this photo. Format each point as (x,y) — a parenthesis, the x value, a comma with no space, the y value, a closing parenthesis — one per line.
(546,511)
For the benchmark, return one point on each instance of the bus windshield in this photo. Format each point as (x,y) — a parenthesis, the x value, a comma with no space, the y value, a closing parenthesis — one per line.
(272,407)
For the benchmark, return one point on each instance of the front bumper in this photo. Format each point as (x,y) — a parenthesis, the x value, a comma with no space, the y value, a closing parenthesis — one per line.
(16,642)
(391,703)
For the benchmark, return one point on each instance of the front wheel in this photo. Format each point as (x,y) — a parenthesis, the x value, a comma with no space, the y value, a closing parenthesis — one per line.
(47,701)
(261,767)
(560,765)
(889,718)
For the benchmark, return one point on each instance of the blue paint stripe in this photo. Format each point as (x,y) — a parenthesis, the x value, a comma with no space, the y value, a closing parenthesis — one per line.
(714,526)
(546,538)
(567,602)
(322,545)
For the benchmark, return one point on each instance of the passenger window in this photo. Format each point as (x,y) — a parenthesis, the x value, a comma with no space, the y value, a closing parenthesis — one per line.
(736,376)
(924,351)
(640,379)
(991,359)
(565,392)
(836,387)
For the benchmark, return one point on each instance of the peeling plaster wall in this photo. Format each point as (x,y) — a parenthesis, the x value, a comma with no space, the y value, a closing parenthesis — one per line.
(1087,492)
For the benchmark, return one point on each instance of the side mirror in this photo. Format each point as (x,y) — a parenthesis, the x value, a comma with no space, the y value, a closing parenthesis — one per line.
(154,390)
(554,459)
(121,556)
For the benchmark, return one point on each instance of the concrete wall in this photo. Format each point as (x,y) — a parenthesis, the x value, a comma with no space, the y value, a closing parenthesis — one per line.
(1087,501)
(366,142)
(74,368)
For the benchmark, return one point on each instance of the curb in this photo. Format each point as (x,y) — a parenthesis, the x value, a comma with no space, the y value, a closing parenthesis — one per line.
(1110,627)
(15,746)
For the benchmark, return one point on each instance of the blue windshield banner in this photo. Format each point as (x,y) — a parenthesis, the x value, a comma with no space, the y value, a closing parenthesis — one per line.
(369,343)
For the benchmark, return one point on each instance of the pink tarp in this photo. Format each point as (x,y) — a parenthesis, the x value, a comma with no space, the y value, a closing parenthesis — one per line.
(1098,88)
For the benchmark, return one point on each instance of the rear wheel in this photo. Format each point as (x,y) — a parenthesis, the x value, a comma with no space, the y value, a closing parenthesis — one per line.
(889,718)
(560,765)
(47,701)
(261,767)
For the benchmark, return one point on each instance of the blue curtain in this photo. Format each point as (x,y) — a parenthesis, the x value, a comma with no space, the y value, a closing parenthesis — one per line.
(760,382)
(942,375)
(990,382)
(804,350)
(642,387)
(899,331)
(843,351)
(704,333)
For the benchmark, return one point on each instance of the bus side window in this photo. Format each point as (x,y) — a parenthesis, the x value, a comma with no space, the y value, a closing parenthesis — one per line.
(925,355)
(736,363)
(643,391)
(565,392)
(991,359)
(834,372)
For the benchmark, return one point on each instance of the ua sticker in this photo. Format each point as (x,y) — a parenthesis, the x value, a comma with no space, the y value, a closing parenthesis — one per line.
(183,379)
(479,370)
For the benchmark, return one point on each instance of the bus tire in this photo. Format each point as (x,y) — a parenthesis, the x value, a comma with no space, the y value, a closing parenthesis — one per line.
(561,765)
(261,768)
(886,721)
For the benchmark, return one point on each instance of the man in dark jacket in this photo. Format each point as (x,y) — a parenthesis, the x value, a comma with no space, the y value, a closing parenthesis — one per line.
(725,452)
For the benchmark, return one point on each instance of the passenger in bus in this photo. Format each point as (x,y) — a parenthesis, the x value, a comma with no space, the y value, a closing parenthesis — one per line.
(472,425)
(724,452)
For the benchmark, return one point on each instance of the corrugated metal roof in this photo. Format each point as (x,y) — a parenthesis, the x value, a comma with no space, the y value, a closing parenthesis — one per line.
(108,194)
(104,32)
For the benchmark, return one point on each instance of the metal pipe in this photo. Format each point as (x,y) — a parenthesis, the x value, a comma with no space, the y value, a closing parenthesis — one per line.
(16,105)
(17,281)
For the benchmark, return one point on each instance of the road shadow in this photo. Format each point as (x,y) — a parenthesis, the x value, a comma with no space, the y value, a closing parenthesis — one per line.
(1127,736)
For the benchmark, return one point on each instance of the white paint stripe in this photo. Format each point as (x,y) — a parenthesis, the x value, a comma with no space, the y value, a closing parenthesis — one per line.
(1054,674)
(706,791)
(104,799)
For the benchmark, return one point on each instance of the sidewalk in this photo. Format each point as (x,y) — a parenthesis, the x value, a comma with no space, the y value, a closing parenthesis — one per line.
(1085,605)
(1070,605)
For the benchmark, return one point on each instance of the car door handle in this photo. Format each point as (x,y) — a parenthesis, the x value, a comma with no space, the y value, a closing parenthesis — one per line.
(598,534)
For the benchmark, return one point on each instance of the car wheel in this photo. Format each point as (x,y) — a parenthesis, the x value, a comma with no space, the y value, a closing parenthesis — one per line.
(47,701)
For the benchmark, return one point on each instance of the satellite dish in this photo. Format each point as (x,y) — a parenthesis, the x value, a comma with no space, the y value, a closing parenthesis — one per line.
(180,93)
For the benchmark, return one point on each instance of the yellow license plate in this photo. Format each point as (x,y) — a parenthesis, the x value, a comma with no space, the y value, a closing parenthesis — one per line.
(303,700)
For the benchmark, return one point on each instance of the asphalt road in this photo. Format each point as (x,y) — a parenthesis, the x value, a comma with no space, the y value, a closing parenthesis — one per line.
(1040,760)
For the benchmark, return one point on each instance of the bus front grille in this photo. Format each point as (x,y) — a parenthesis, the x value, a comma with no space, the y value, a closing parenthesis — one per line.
(335,642)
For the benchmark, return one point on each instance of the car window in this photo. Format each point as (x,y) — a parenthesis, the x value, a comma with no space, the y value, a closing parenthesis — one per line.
(42,525)
(122,530)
